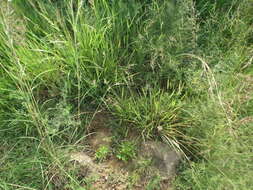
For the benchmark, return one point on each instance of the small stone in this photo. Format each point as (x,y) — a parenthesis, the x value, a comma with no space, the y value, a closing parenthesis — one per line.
(81,158)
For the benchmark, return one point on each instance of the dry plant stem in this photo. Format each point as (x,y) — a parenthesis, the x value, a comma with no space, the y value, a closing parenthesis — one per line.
(76,59)
(248,63)
(212,84)
(20,186)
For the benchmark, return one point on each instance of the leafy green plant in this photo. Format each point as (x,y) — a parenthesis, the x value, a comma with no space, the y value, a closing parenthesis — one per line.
(133,179)
(154,183)
(126,151)
(102,153)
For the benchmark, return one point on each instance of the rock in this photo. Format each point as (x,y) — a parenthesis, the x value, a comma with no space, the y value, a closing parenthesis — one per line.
(164,158)
(87,167)
(82,158)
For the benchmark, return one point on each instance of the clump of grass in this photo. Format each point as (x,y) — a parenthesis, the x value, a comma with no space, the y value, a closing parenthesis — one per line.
(152,115)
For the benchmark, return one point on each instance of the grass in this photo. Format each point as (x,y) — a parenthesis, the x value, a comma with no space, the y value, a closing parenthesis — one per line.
(177,72)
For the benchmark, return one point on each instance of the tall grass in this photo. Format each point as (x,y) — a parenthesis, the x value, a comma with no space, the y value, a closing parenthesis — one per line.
(179,72)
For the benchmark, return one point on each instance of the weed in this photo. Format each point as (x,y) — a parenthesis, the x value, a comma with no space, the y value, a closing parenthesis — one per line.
(154,183)
(102,153)
(133,179)
(126,151)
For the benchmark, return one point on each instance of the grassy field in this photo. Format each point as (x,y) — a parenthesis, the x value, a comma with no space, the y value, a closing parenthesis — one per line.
(175,71)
